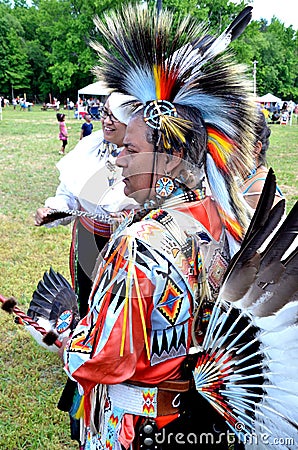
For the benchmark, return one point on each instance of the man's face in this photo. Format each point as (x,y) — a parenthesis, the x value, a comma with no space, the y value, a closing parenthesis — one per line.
(113,130)
(137,162)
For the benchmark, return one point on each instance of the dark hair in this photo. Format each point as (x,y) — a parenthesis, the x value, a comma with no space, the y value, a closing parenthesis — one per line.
(262,134)
(60,117)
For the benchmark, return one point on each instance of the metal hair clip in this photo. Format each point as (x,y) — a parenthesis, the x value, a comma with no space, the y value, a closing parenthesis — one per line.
(155,110)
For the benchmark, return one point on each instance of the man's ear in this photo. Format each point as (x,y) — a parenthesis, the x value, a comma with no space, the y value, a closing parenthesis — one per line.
(174,160)
(258,148)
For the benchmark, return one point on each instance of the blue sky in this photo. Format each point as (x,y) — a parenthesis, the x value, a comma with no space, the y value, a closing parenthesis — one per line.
(284,10)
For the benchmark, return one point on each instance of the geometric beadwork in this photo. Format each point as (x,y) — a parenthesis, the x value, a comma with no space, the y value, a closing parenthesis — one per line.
(170,303)
(164,187)
(217,270)
(155,110)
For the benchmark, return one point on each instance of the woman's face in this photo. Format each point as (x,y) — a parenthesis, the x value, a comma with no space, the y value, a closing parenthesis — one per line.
(137,162)
(113,130)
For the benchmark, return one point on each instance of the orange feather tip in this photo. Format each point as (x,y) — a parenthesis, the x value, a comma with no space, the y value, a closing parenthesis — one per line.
(220,147)
(165,82)
(232,225)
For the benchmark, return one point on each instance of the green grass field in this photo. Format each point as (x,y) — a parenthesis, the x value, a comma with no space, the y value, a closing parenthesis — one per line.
(31,379)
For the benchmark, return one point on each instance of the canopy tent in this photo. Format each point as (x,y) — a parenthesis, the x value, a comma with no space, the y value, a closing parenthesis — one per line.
(268,98)
(98,88)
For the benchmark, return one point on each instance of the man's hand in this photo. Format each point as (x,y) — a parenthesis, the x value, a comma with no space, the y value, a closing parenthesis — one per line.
(41,216)
(61,349)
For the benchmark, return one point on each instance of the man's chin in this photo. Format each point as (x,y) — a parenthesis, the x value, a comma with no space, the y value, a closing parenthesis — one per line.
(128,193)
(133,195)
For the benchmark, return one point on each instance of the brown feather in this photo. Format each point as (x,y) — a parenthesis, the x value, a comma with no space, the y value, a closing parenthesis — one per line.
(240,279)
(50,337)
(9,304)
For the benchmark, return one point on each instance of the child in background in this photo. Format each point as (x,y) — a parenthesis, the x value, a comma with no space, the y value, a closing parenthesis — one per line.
(63,135)
(87,127)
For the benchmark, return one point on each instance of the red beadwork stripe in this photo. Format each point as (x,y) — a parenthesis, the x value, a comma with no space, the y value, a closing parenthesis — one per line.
(98,228)
(72,255)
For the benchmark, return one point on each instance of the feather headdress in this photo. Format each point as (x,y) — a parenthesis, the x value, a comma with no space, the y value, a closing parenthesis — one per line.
(167,67)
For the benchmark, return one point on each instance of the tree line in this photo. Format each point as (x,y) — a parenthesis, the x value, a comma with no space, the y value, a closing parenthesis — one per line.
(44,45)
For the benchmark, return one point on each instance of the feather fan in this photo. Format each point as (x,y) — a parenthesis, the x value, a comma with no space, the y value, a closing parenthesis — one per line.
(247,366)
(54,307)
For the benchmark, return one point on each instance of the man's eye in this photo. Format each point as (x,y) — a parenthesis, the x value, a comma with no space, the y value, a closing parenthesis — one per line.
(129,149)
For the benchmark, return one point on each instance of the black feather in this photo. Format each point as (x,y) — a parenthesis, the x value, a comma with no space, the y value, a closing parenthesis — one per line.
(56,277)
(274,219)
(46,289)
(260,236)
(265,282)
(52,297)
(234,30)
(283,238)
(202,44)
(289,258)
(39,307)
(276,284)
(239,24)
(50,282)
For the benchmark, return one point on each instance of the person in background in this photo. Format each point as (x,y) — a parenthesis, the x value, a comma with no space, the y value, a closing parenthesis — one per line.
(275,118)
(252,186)
(23,104)
(266,113)
(85,173)
(87,127)
(63,134)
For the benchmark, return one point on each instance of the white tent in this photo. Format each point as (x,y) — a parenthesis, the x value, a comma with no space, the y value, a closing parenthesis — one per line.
(98,88)
(268,98)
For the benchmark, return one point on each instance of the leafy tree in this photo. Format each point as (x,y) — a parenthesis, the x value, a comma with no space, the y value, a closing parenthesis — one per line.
(40,80)
(14,67)
(65,28)
(275,48)
(45,47)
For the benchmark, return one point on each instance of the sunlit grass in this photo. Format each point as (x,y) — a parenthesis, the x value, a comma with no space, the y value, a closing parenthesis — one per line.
(283,157)
(31,379)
